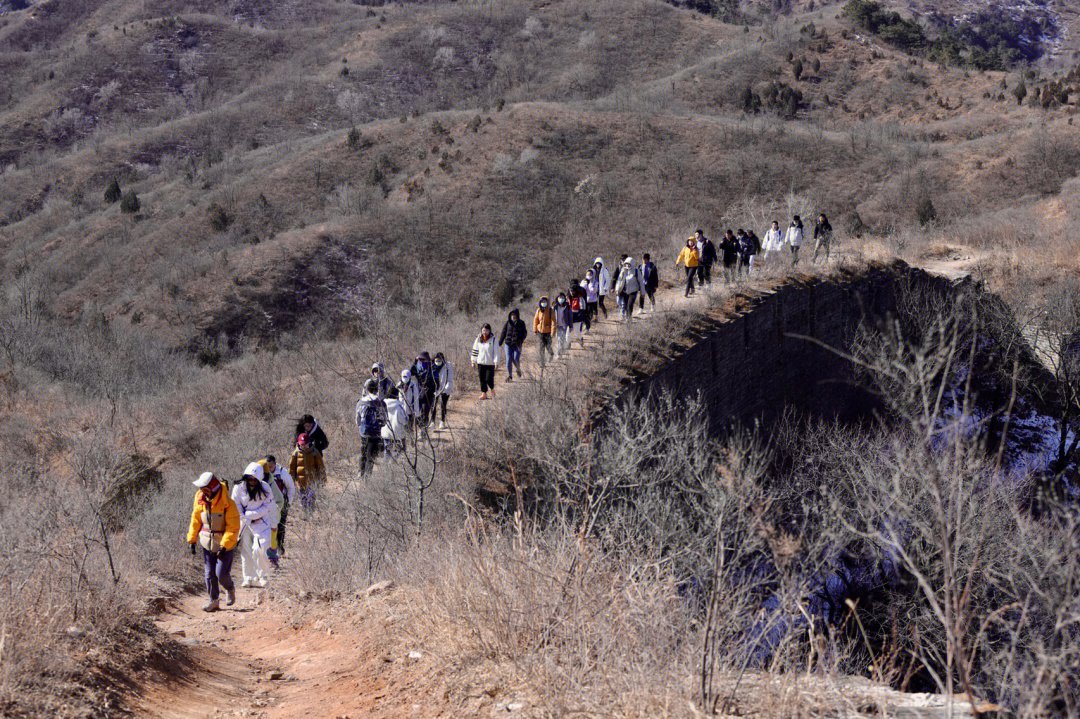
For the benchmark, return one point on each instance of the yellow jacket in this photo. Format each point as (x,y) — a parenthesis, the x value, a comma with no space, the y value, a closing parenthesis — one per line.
(688,257)
(307,467)
(222,503)
(544,320)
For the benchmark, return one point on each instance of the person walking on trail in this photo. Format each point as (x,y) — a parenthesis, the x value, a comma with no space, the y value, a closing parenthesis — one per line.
(511,339)
(729,250)
(592,296)
(689,259)
(423,371)
(564,321)
(396,429)
(651,280)
(384,382)
(255,504)
(604,277)
(823,237)
(409,393)
(444,387)
(307,425)
(774,240)
(794,239)
(308,470)
(215,527)
(707,250)
(370,420)
(630,283)
(485,357)
(749,248)
(544,328)
(580,307)
(284,490)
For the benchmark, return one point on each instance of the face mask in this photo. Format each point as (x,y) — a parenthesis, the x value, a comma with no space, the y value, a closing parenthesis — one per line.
(543,305)
(562,301)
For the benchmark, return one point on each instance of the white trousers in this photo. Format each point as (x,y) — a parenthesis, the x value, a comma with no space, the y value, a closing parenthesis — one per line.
(253,562)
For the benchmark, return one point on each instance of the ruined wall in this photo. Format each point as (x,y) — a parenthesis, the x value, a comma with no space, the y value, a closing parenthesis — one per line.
(753,366)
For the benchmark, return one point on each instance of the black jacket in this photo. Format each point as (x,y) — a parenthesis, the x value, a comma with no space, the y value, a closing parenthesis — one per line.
(651,276)
(708,252)
(316,437)
(426,379)
(513,333)
(730,248)
(822,229)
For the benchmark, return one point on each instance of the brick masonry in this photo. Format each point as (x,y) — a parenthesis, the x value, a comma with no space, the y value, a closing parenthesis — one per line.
(757,364)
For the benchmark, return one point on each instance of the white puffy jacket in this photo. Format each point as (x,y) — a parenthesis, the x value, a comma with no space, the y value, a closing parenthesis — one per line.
(397,421)
(485,352)
(773,240)
(605,276)
(629,280)
(255,514)
(794,236)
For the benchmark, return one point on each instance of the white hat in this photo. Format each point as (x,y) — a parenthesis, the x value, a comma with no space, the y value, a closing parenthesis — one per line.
(203,480)
(376,366)
(254,470)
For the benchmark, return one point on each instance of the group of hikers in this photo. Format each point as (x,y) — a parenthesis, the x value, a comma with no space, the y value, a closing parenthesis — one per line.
(254,514)
(738,251)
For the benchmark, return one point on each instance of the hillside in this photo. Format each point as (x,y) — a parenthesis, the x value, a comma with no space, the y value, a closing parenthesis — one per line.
(215,215)
(232,125)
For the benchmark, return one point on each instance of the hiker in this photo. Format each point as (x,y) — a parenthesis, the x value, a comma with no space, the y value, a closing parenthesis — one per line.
(604,277)
(485,357)
(823,237)
(255,503)
(707,252)
(544,328)
(396,430)
(592,296)
(729,250)
(215,526)
(689,259)
(409,394)
(284,490)
(564,321)
(628,286)
(384,382)
(511,339)
(579,306)
(620,298)
(774,240)
(749,248)
(651,279)
(307,425)
(794,239)
(307,469)
(444,377)
(370,420)
(423,373)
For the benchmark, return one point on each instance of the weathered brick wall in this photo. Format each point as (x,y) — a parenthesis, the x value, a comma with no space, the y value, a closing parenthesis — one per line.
(753,367)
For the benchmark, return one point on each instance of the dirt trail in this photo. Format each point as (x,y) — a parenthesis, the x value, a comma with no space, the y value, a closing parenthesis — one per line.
(346,672)
(327,670)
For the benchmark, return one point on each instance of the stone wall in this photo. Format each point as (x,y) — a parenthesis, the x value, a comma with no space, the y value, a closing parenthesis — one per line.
(754,366)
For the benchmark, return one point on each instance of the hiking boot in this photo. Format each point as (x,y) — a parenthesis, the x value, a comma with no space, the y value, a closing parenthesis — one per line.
(245,583)
(262,582)
(510,378)
(211,606)
(483,396)
(230,597)
(273,562)
(442,425)
(519,372)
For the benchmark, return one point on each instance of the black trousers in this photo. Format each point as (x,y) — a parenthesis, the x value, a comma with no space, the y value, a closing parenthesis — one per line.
(691,273)
(600,303)
(487,376)
(704,274)
(443,399)
(370,448)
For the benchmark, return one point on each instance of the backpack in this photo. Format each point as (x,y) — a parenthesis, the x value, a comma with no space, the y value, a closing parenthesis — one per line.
(575,303)
(372,418)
